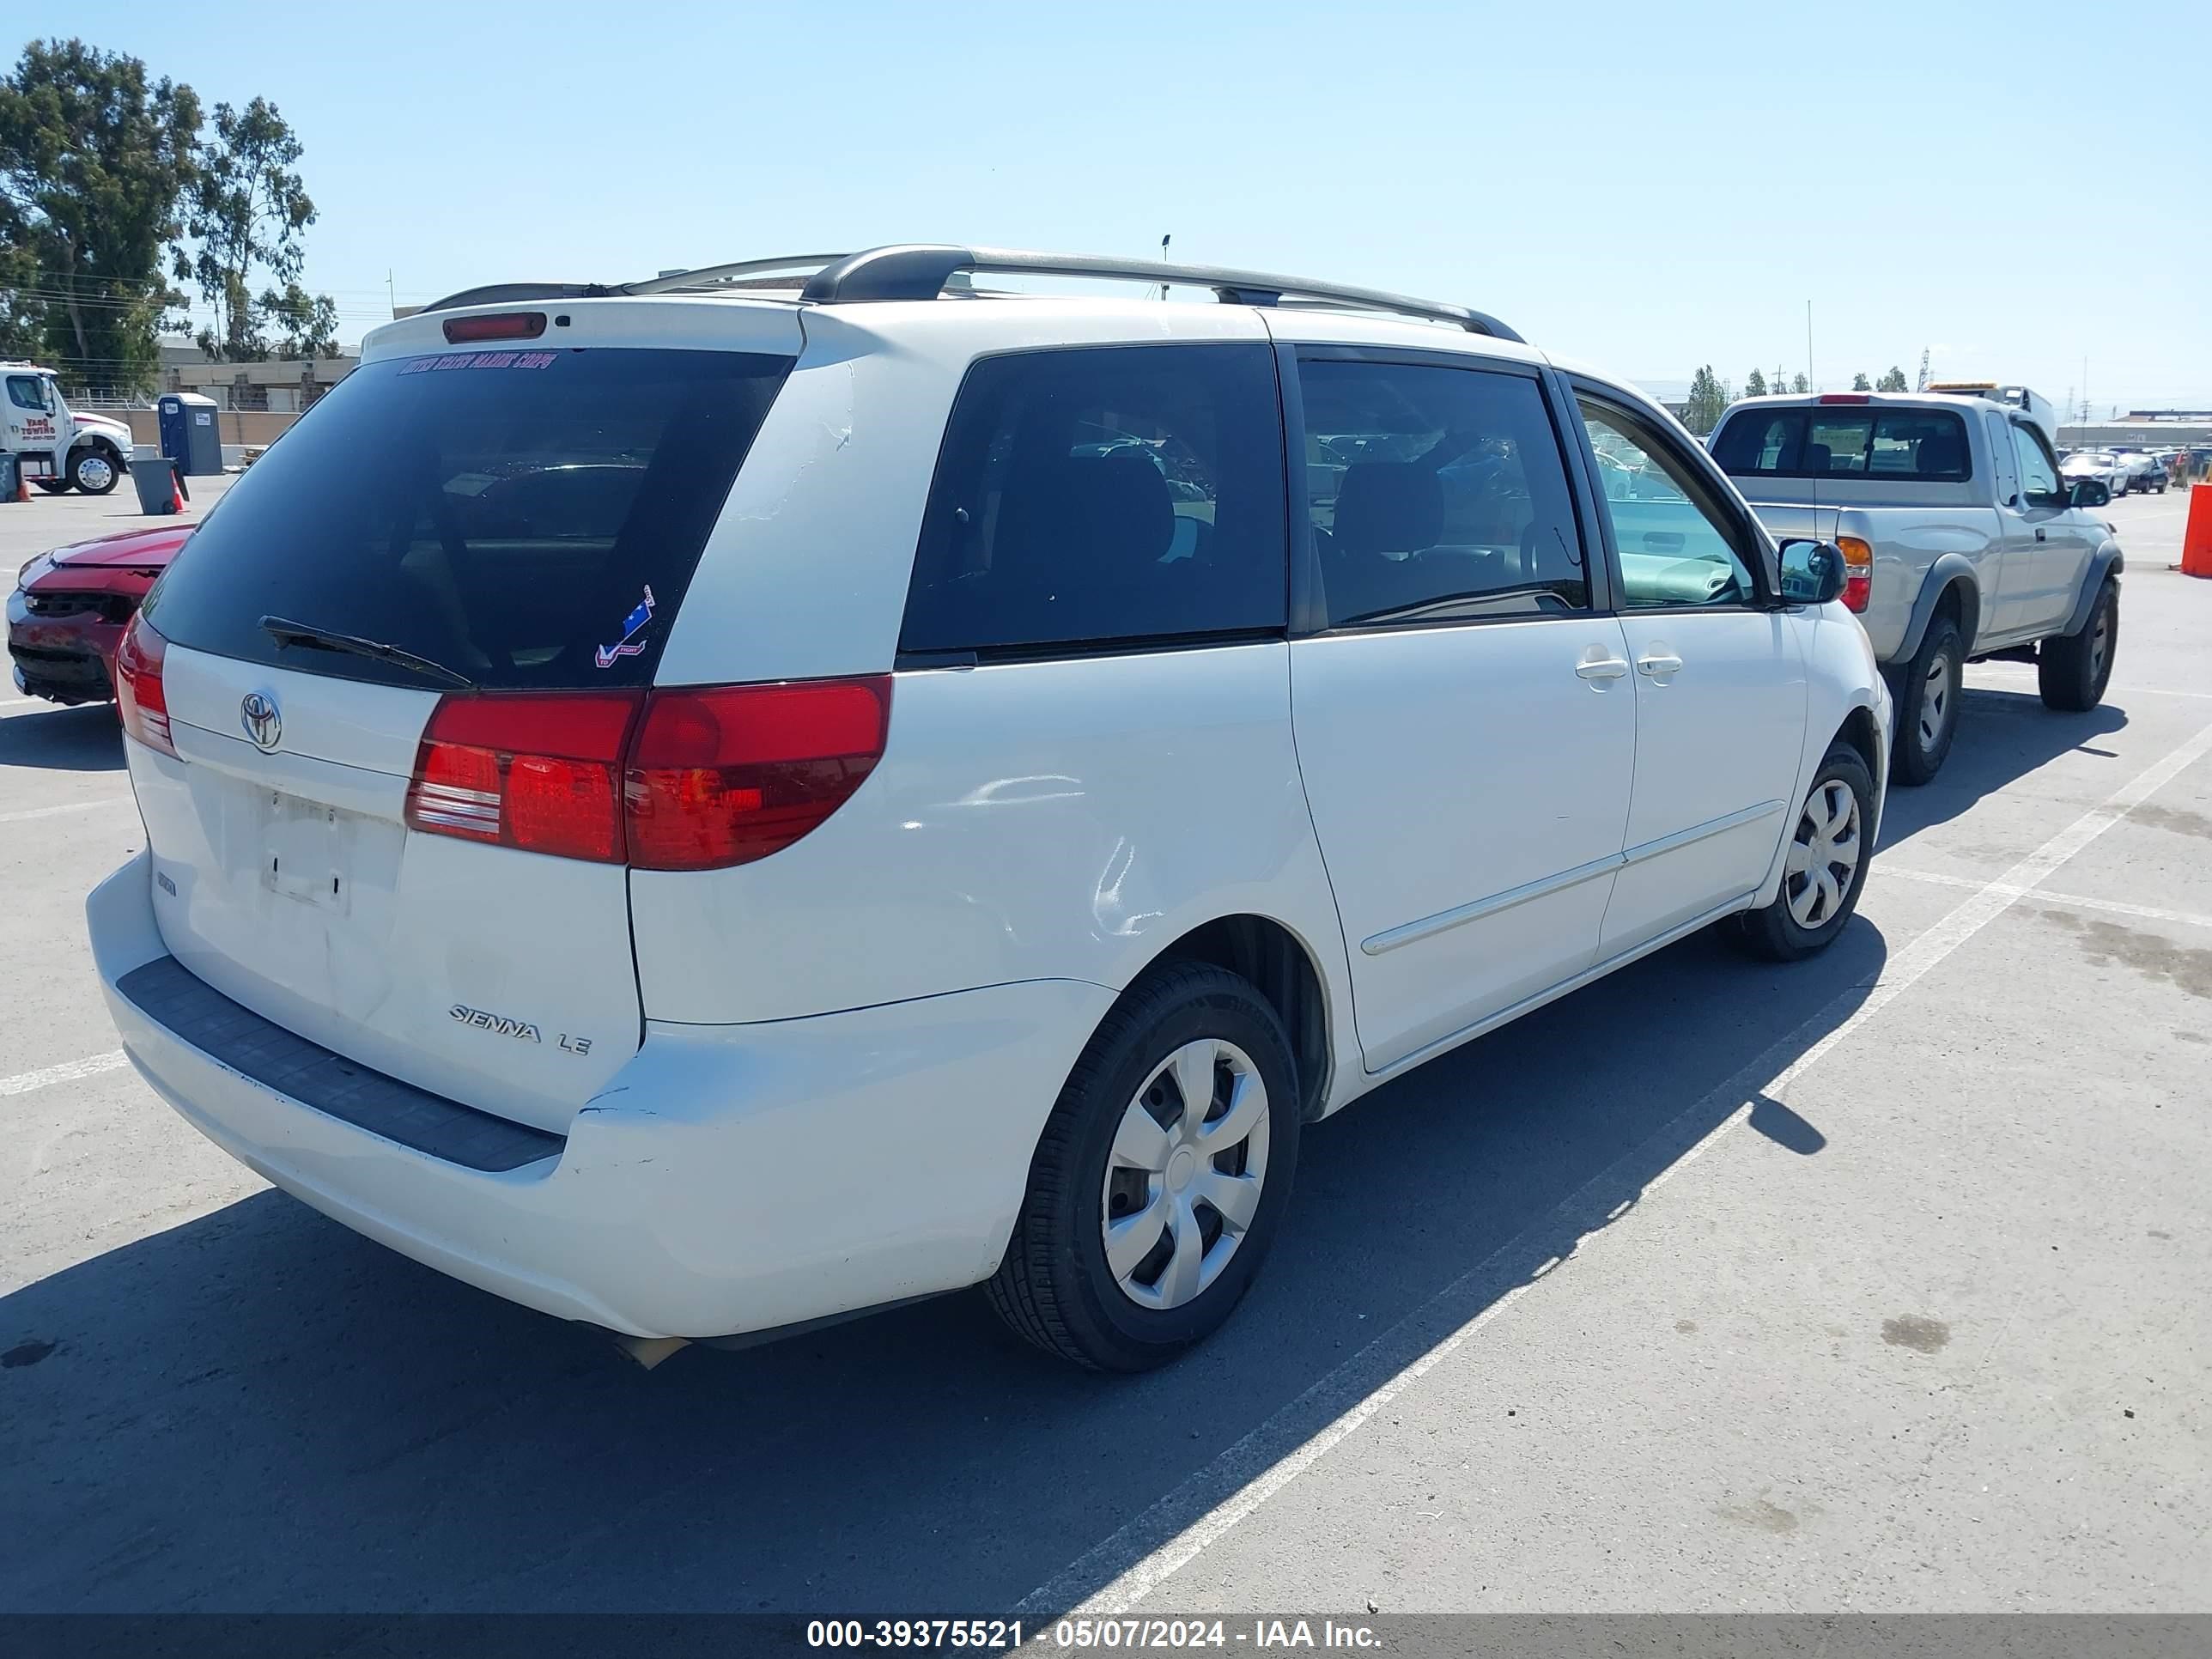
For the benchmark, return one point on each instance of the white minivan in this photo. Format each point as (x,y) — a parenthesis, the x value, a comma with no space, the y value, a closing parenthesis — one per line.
(706,807)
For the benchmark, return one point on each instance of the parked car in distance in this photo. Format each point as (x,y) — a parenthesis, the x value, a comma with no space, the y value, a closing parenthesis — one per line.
(1962,539)
(2102,465)
(69,606)
(937,791)
(2145,471)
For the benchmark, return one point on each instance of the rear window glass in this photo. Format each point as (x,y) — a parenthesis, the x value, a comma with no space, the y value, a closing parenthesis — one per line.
(522,518)
(1103,495)
(1923,445)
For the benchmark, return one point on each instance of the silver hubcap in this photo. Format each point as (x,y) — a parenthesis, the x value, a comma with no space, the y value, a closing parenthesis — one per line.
(1183,1180)
(1936,702)
(1824,855)
(93,472)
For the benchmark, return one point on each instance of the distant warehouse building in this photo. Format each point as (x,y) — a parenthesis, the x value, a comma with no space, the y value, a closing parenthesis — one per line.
(273,388)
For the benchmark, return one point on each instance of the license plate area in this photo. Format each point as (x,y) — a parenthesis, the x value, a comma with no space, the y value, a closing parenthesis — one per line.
(306,850)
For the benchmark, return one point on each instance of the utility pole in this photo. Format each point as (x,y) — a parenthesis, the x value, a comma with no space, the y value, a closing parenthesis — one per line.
(1923,386)
(1809,377)
(1165,241)
(390,293)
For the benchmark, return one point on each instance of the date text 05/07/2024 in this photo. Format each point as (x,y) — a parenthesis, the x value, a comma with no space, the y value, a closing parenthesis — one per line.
(1139,1635)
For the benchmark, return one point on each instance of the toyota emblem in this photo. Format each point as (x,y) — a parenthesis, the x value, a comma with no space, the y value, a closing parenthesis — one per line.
(257,712)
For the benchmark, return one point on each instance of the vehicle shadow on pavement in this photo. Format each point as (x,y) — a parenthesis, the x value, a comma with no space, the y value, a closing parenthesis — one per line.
(2003,736)
(85,738)
(259,1410)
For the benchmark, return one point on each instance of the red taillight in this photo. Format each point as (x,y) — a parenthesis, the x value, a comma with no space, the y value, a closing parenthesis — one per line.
(727,774)
(500,325)
(714,775)
(1825,397)
(139,699)
(1858,572)
(538,770)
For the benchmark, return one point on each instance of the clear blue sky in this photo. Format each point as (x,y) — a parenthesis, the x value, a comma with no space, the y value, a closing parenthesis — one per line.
(1648,188)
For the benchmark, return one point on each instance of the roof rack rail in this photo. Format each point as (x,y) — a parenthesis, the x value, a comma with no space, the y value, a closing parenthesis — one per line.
(921,270)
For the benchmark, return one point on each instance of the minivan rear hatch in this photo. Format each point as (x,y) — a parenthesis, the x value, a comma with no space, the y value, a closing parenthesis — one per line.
(396,665)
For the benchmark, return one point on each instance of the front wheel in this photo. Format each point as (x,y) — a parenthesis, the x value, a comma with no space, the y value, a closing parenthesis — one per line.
(1823,867)
(1160,1177)
(93,472)
(2073,671)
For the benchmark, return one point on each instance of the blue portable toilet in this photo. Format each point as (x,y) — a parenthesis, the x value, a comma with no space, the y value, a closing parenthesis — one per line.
(190,436)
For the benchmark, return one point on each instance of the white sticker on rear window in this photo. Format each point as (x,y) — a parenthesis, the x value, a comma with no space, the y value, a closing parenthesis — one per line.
(480,360)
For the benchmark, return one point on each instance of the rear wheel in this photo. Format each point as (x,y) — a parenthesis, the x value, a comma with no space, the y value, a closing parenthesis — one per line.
(1825,866)
(54,486)
(1928,702)
(1160,1177)
(2073,671)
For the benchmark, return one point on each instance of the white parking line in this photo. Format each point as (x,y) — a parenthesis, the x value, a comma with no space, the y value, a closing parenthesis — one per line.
(2078,901)
(56,811)
(68,1072)
(1209,1504)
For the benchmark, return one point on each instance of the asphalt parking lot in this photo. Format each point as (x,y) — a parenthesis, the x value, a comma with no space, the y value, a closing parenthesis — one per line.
(1876,1283)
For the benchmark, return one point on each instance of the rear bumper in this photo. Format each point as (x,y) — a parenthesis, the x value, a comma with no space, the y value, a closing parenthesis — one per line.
(729,1179)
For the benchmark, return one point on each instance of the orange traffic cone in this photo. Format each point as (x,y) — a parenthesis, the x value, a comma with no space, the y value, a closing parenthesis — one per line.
(176,494)
(2197,533)
(22,488)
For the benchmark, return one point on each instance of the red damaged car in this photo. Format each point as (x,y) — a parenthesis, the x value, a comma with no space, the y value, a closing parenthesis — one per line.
(70,606)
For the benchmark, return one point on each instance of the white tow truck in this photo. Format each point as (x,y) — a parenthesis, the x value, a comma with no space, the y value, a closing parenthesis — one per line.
(58,448)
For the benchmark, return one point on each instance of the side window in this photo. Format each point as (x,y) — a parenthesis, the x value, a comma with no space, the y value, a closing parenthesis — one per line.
(2001,459)
(1092,496)
(1676,545)
(1437,495)
(2038,473)
(28,392)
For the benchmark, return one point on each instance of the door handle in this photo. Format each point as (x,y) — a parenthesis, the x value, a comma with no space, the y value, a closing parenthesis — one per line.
(1605,668)
(1658,663)
(2039,535)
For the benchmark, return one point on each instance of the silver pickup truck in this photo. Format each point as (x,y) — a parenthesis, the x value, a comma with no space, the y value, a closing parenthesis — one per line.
(1960,537)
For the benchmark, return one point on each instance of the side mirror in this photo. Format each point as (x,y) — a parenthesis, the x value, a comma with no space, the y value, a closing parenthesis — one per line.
(2090,493)
(1812,571)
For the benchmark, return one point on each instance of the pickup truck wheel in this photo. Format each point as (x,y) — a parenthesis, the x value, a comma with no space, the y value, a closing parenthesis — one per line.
(1928,702)
(2073,671)
(1160,1176)
(54,486)
(1823,867)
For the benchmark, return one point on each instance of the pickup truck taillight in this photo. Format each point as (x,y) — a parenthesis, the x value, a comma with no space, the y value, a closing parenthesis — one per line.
(140,701)
(689,778)
(1858,571)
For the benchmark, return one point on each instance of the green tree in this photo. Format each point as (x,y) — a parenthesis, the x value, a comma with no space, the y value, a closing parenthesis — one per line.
(93,157)
(1755,384)
(307,324)
(1709,396)
(1800,386)
(1859,382)
(1892,381)
(248,211)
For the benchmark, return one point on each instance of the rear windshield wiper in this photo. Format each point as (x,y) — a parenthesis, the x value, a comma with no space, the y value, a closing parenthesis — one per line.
(324,639)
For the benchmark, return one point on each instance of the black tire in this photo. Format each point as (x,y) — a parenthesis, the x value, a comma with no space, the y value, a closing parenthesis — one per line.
(2073,671)
(54,486)
(1774,934)
(1918,760)
(1054,1286)
(105,456)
